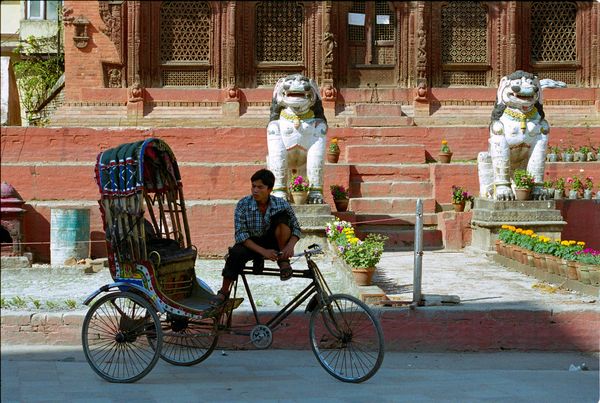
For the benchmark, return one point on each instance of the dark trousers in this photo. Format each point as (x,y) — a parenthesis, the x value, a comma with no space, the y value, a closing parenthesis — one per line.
(239,254)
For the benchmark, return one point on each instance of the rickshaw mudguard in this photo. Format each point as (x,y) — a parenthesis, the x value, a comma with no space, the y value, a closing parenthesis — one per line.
(121,285)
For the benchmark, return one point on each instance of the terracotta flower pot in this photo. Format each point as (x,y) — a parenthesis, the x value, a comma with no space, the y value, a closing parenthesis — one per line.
(363,276)
(522,194)
(572,270)
(444,158)
(459,207)
(300,197)
(341,204)
(333,157)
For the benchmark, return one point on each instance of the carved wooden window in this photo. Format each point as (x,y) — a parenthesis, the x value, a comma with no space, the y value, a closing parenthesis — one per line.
(464,37)
(279,40)
(371,33)
(185,37)
(554,40)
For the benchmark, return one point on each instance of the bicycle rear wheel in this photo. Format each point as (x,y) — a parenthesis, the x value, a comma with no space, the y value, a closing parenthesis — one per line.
(347,339)
(187,341)
(115,336)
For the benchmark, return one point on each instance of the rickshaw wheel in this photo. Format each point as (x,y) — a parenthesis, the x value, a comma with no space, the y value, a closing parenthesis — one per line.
(115,336)
(346,338)
(187,341)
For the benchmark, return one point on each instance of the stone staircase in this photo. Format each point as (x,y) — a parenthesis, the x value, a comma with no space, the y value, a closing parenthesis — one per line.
(385,183)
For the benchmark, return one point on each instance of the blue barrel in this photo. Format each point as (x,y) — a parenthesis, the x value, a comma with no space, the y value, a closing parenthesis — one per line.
(69,234)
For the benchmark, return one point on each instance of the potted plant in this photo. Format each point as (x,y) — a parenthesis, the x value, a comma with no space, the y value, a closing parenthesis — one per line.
(553,153)
(549,189)
(340,197)
(581,154)
(299,189)
(363,256)
(460,197)
(591,155)
(568,154)
(523,184)
(588,185)
(333,151)
(445,155)
(576,187)
(559,188)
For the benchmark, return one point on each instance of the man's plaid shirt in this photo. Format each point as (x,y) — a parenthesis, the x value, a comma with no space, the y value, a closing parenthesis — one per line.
(249,222)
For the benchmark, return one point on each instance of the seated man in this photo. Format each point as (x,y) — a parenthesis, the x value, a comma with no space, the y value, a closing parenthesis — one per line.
(265,227)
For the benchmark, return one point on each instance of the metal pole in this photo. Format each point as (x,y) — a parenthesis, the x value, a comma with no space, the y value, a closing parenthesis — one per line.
(417,297)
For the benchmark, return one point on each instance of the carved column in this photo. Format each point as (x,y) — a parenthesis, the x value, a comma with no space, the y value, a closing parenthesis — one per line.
(135,101)
(513,57)
(421,100)
(231,106)
(328,90)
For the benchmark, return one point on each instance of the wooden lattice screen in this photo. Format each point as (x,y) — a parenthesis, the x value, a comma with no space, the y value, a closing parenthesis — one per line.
(464,44)
(554,40)
(185,37)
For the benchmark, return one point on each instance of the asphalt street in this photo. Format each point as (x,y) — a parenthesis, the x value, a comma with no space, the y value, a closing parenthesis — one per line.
(61,374)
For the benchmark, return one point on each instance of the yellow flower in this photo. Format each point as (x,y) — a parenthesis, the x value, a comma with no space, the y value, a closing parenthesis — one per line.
(572,243)
(533,235)
(519,230)
(565,243)
(504,226)
(334,140)
(444,142)
(581,243)
(528,232)
(512,228)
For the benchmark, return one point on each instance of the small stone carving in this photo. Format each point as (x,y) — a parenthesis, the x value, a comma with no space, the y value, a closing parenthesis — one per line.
(330,44)
(114,78)
(328,93)
(518,137)
(296,135)
(232,93)
(136,92)
(81,37)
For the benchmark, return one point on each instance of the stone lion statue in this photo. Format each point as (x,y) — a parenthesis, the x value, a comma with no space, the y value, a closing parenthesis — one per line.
(518,137)
(296,135)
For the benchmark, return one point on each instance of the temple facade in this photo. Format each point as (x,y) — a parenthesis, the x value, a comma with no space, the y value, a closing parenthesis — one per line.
(396,78)
(219,60)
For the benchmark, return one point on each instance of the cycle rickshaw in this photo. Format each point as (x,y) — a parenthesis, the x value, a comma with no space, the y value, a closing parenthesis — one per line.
(158,308)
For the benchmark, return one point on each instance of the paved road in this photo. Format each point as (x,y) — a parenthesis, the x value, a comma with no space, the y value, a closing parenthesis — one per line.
(61,374)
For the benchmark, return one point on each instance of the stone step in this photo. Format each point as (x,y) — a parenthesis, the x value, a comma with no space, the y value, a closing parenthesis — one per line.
(397,220)
(389,172)
(402,239)
(391,188)
(389,205)
(379,121)
(388,153)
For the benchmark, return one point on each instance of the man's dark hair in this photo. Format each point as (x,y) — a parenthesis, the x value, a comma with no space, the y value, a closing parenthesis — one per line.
(265,176)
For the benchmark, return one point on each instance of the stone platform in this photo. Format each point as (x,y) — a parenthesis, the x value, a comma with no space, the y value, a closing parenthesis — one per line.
(541,216)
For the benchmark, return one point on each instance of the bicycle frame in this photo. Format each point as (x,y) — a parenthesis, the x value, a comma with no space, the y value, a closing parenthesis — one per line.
(317,288)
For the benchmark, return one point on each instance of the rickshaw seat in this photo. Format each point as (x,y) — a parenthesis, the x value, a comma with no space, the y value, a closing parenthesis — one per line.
(174,268)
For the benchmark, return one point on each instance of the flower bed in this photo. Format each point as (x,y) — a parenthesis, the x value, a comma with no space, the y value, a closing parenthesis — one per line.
(567,258)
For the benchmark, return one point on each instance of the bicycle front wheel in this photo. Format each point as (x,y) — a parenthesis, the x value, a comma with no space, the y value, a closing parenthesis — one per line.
(347,339)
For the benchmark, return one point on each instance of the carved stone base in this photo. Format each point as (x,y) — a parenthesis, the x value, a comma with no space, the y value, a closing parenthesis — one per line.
(489,215)
(313,218)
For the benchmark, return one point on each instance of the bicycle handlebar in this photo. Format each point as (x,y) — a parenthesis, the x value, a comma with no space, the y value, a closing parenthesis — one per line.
(312,250)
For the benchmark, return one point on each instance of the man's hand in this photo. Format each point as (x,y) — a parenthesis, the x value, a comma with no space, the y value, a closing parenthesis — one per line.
(287,252)
(271,254)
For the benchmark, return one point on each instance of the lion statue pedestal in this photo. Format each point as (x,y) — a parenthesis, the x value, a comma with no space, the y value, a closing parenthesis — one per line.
(296,135)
